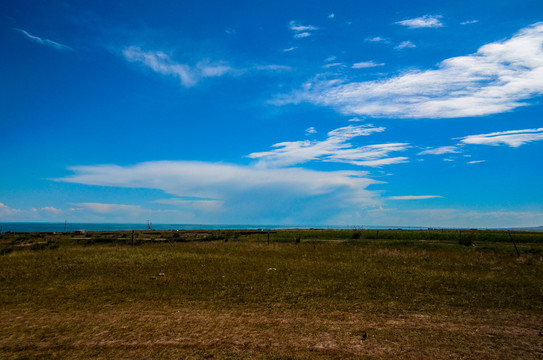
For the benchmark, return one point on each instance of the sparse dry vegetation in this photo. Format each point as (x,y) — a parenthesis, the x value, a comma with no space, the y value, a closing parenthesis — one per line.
(311,294)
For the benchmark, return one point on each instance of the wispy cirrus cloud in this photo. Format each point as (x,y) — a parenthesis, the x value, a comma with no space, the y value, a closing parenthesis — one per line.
(366,64)
(161,63)
(440,150)
(513,138)
(498,78)
(301,31)
(475,162)
(405,45)
(331,65)
(426,21)
(273,68)
(377,39)
(335,148)
(414,197)
(43,41)
(301,35)
(469,22)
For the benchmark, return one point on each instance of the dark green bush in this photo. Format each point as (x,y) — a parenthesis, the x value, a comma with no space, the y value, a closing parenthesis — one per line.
(40,246)
(6,251)
(465,241)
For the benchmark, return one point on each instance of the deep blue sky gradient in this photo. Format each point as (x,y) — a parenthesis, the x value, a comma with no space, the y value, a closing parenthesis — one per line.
(85,103)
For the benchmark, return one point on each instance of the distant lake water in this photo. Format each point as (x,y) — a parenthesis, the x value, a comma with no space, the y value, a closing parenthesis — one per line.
(60,227)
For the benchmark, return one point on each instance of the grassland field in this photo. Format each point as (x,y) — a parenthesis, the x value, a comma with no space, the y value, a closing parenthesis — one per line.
(286,294)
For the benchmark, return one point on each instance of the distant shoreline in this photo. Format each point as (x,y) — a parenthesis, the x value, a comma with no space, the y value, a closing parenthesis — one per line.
(27,227)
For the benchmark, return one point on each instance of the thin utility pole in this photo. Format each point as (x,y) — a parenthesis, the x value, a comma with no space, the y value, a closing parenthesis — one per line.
(514,244)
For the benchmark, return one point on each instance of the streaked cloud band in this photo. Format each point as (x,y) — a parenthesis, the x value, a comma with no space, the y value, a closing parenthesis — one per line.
(499,77)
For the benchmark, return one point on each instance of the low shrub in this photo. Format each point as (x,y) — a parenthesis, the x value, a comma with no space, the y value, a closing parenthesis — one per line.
(6,251)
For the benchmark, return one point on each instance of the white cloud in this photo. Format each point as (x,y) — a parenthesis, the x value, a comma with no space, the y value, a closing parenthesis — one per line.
(107,212)
(244,192)
(476,162)
(6,210)
(414,197)
(426,21)
(513,138)
(327,66)
(453,218)
(331,16)
(366,64)
(310,130)
(52,210)
(161,63)
(300,28)
(208,69)
(273,68)
(383,161)
(45,42)
(377,39)
(302,35)
(499,77)
(405,45)
(101,208)
(210,180)
(45,213)
(200,204)
(289,49)
(301,31)
(440,150)
(334,149)
(469,22)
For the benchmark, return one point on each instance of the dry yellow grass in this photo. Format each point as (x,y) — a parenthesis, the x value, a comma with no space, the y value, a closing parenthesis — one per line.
(245,300)
(151,332)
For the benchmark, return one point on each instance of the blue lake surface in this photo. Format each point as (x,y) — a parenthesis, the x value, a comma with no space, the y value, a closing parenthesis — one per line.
(61,227)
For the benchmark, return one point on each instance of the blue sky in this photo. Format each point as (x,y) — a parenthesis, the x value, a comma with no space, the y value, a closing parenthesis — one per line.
(389,113)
